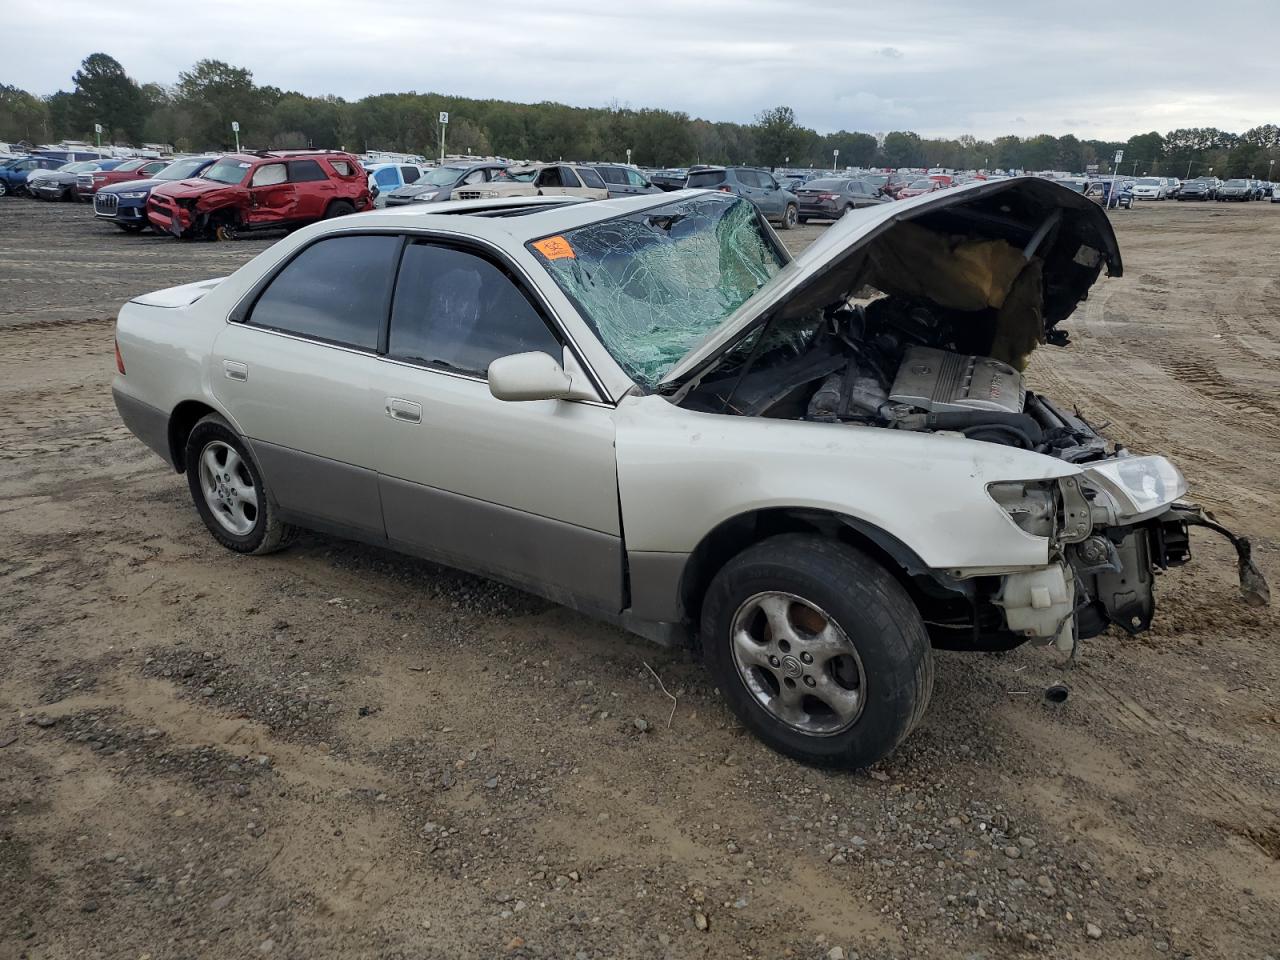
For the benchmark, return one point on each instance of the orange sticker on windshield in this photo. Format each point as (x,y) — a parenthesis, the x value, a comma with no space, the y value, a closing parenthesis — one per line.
(555,248)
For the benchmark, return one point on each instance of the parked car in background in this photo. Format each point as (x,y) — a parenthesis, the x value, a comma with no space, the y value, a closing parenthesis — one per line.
(125,204)
(918,188)
(14,173)
(437,184)
(60,184)
(831,199)
(242,192)
(1237,189)
(758,186)
(1259,189)
(87,184)
(1196,190)
(518,394)
(385,177)
(540,179)
(1150,188)
(671,179)
(1275,193)
(1172,187)
(624,181)
(1112,194)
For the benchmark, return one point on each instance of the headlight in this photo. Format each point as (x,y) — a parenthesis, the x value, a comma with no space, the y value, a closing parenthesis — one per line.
(1140,486)
(427,196)
(138,195)
(1031,504)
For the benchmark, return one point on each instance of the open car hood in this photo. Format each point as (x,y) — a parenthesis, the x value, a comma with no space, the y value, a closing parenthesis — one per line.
(1025,245)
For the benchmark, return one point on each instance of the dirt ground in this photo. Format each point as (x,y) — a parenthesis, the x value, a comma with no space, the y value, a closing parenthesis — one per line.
(338,752)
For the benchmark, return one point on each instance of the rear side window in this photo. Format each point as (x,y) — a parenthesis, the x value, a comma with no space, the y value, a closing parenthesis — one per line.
(386,177)
(590,177)
(305,171)
(458,311)
(341,167)
(336,290)
(748,178)
(410,174)
(706,178)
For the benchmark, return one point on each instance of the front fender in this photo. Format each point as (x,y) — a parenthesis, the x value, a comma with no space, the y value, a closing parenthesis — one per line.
(682,473)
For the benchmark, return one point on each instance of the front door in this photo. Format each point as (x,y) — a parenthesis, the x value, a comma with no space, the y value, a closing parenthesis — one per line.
(299,378)
(271,195)
(526,492)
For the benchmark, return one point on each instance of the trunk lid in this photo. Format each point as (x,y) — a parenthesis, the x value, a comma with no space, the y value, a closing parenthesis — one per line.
(182,296)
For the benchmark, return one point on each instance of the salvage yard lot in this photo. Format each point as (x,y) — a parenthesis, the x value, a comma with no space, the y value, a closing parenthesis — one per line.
(336,751)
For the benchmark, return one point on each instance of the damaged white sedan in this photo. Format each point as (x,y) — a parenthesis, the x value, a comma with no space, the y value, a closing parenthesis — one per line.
(817,469)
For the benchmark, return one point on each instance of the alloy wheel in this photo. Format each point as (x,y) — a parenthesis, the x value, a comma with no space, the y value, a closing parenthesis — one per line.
(798,663)
(228,488)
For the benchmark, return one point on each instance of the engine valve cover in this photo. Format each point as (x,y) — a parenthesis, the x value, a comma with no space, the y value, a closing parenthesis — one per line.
(941,381)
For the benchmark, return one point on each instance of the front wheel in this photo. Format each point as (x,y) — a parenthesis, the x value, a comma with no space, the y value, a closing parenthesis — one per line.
(229,492)
(4,188)
(818,650)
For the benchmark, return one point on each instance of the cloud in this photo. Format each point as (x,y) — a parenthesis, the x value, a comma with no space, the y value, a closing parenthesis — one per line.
(943,67)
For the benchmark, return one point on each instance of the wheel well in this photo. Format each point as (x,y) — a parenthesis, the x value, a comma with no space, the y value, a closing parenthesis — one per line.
(735,535)
(184,417)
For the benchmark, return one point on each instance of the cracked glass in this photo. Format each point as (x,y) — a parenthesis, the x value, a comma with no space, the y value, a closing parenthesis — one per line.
(651,285)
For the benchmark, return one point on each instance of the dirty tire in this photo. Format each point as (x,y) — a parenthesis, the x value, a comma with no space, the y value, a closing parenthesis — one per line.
(339,208)
(861,598)
(790,216)
(225,228)
(268,533)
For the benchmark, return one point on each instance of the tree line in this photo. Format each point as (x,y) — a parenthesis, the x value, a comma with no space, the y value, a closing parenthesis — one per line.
(195,114)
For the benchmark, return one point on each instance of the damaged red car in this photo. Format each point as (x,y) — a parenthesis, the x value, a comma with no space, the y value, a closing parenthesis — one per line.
(243,192)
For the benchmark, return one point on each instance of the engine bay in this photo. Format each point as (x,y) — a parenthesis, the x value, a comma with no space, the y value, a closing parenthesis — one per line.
(899,363)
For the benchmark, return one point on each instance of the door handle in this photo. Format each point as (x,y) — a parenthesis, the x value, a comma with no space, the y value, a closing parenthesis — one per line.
(235,370)
(406,410)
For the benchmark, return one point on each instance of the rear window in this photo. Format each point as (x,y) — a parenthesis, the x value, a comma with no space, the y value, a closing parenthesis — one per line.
(336,290)
(305,171)
(705,178)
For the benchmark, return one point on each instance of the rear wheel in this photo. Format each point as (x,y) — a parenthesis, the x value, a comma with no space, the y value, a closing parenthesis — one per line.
(229,492)
(339,208)
(818,650)
(790,217)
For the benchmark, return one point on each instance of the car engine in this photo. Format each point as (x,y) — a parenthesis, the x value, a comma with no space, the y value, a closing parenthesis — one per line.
(899,363)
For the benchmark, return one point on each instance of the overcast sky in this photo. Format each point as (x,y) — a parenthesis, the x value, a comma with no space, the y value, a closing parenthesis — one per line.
(939,67)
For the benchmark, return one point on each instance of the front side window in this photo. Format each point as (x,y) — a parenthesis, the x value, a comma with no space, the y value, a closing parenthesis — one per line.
(635,179)
(654,283)
(305,171)
(269,175)
(458,311)
(550,177)
(335,290)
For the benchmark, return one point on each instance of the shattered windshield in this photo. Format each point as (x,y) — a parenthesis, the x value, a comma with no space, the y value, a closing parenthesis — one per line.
(654,283)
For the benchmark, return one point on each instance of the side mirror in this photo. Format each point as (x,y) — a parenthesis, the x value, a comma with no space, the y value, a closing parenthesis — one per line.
(529,376)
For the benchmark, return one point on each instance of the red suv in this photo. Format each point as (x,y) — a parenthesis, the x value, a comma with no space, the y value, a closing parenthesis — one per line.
(87,184)
(257,191)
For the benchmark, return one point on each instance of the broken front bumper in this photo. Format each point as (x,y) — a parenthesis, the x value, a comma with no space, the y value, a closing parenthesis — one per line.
(1108,578)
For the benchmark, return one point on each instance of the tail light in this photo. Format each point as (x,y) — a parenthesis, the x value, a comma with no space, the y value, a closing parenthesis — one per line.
(828,196)
(119,359)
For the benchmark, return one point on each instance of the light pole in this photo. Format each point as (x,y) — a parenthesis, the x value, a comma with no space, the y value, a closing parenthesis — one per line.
(835,161)
(235,128)
(628,156)
(1270,166)
(97,129)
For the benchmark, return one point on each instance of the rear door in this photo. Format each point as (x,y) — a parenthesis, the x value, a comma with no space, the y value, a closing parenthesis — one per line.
(272,198)
(299,376)
(526,492)
(593,188)
(313,190)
